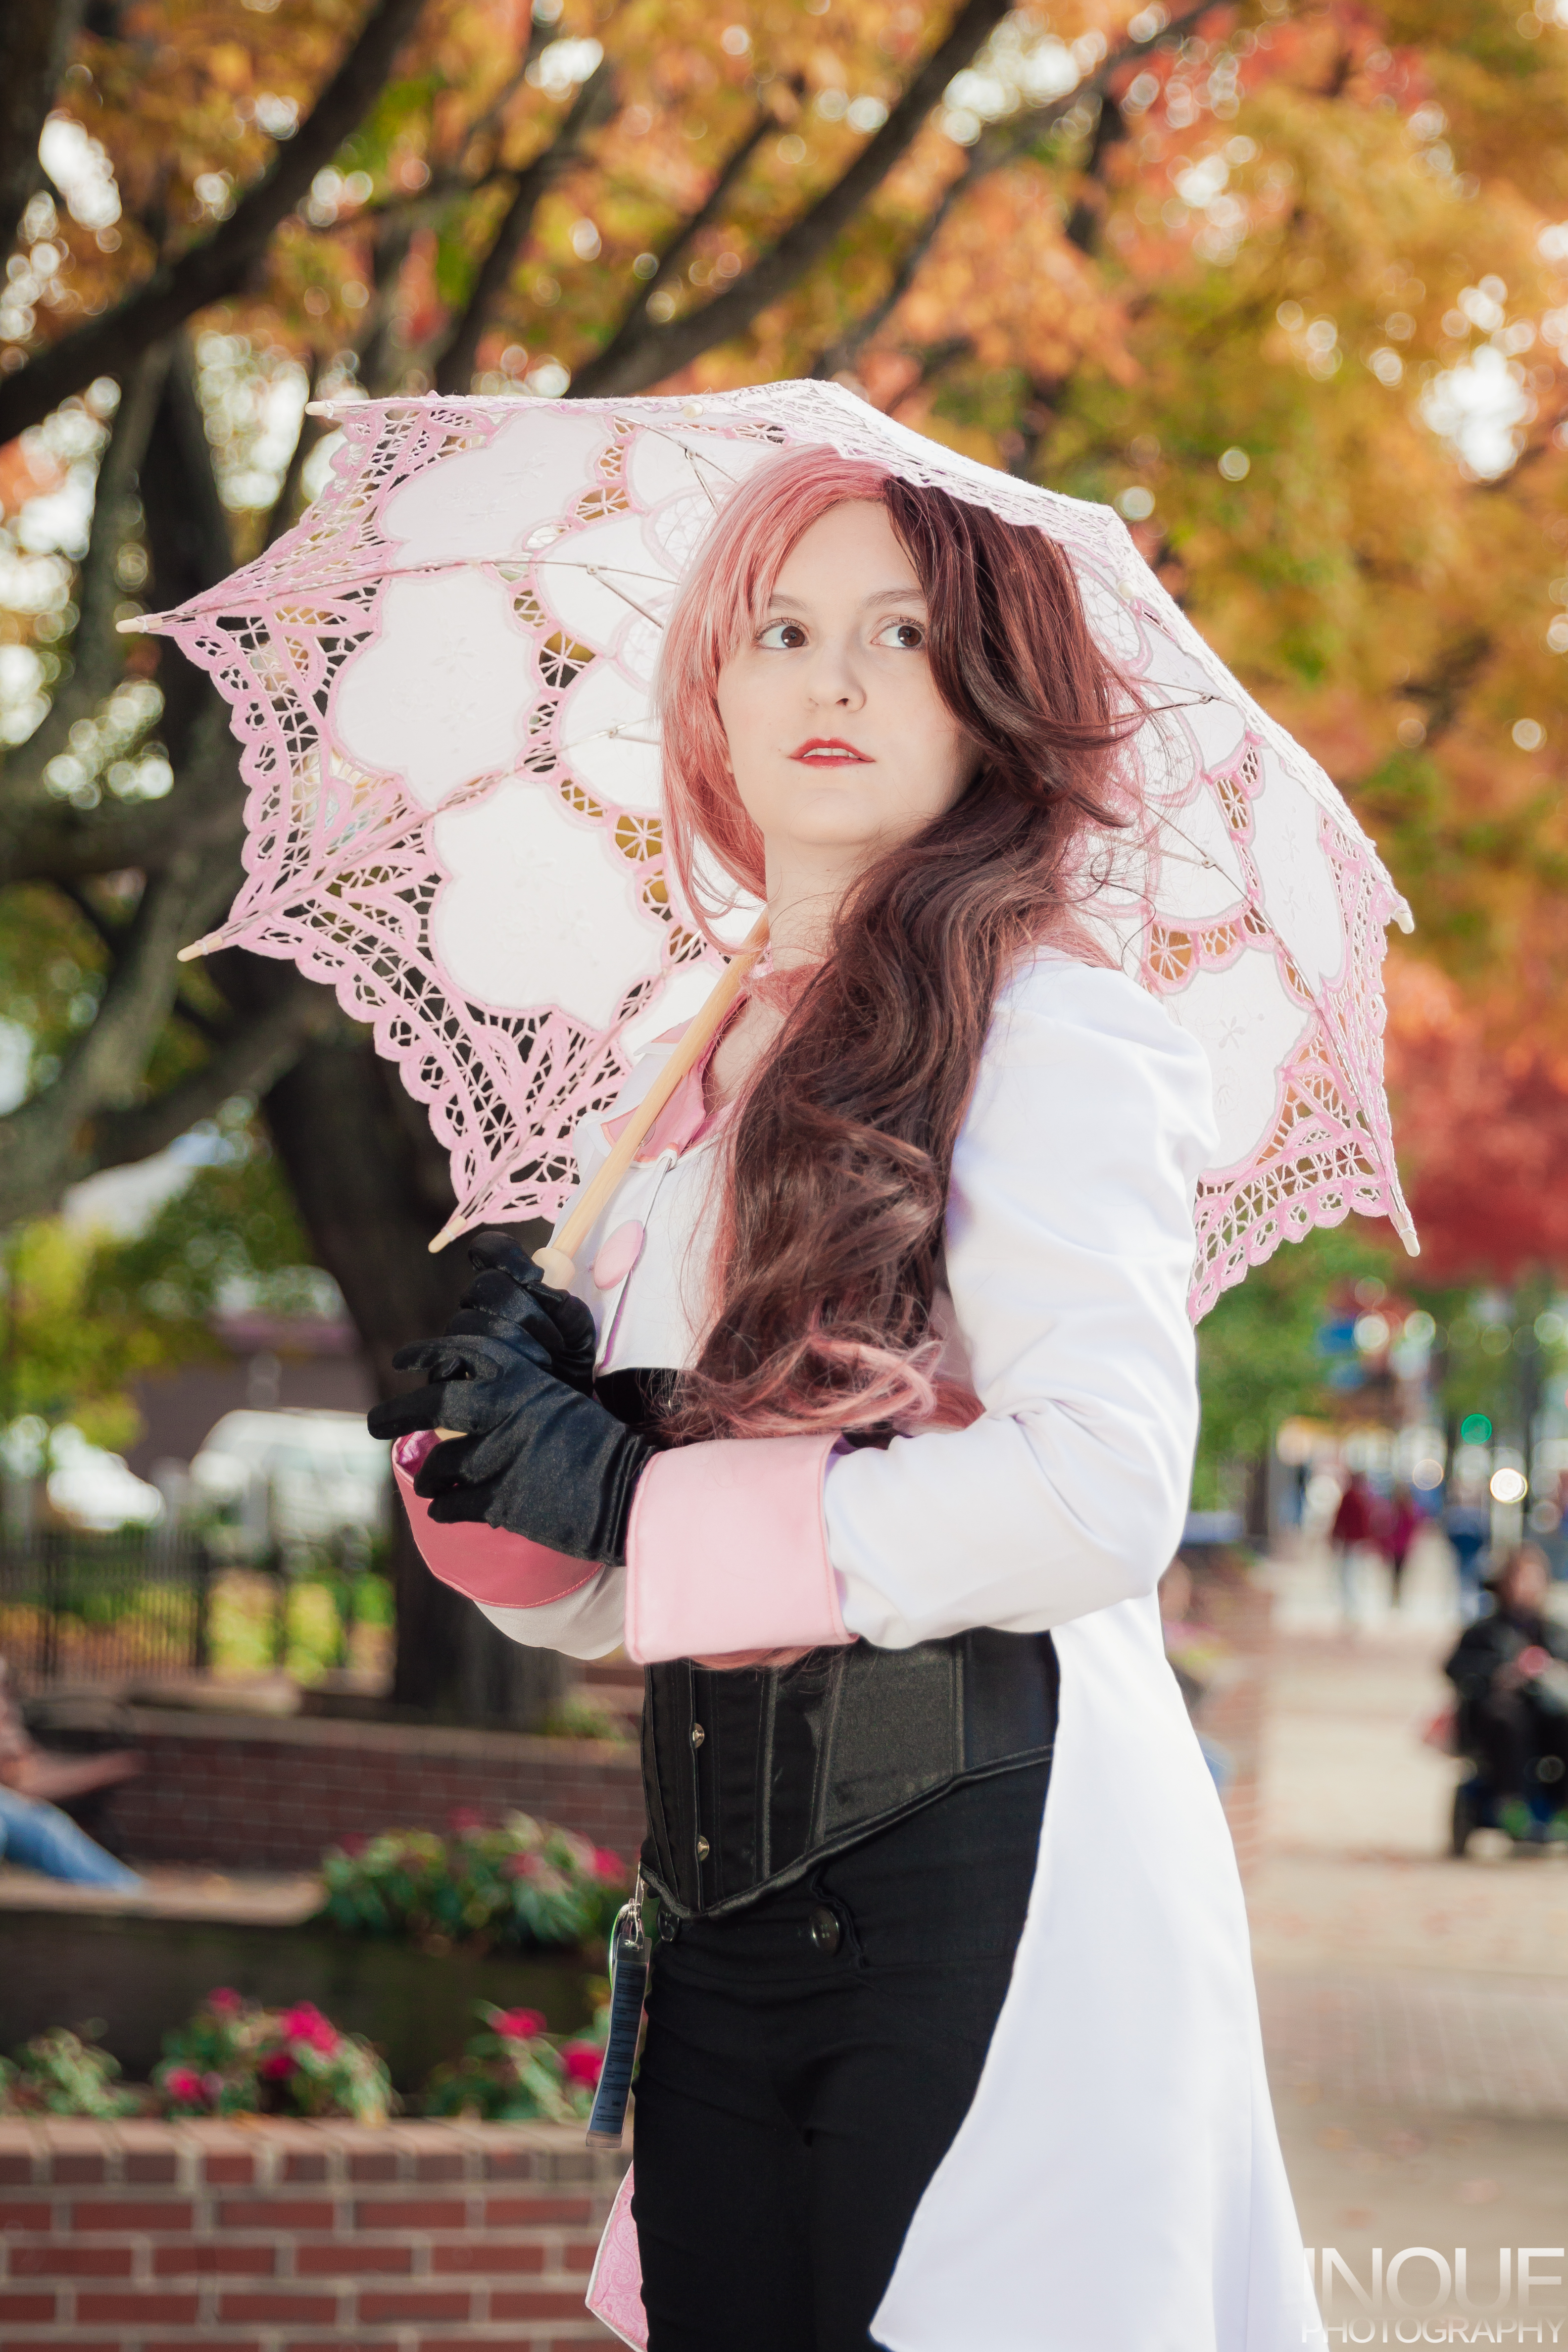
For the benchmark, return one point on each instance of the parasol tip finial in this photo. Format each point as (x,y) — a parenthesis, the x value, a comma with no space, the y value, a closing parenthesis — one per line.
(455,1224)
(136,627)
(199,947)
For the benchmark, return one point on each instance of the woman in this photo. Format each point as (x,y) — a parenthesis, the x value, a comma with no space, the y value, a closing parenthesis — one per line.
(872,1447)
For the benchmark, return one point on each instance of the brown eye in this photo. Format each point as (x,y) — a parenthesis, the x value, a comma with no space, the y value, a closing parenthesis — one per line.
(782,636)
(903,636)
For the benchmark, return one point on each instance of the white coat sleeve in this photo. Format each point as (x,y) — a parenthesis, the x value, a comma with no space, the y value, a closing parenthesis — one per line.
(1069,1254)
(587,1624)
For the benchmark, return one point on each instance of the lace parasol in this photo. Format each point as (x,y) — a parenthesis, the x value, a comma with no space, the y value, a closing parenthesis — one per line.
(441,682)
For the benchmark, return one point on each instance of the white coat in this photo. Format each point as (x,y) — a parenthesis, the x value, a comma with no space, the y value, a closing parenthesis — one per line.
(1117,2184)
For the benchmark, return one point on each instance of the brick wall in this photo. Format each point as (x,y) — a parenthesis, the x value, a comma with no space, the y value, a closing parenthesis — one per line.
(206,2237)
(245,1792)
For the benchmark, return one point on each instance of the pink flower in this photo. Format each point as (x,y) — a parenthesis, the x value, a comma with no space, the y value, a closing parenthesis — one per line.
(305,2023)
(524,1865)
(277,2067)
(464,1817)
(584,2063)
(224,2001)
(182,2083)
(518,2024)
(609,1867)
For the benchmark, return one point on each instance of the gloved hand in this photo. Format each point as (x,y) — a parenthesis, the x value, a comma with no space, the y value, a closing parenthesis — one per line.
(510,1296)
(536,1456)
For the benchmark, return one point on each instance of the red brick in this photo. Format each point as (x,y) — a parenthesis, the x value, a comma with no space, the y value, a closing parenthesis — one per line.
(71,2261)
(578,2258)
(487,2256)
(194,2344)
(529,2212)
(77,2171)
(27,2217)
(223,2261)
(278,2213)
(411,2303)
(42,2307)
(411,2213)
(151,2167)
(535,2303)
(381,2165)
(303,2310)
(16,2169)
(443,2166)
(341,2257)
(228,2171)
(169,2220)
(299,2166)
(128,2307)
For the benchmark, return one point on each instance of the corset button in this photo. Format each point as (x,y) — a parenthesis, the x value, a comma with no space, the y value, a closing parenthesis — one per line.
(703,1848)
(826,1932)
(698,1735)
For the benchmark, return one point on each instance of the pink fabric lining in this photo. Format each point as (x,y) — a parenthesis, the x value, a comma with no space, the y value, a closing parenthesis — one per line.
(614,2290)
(727,1552)
(488,1564)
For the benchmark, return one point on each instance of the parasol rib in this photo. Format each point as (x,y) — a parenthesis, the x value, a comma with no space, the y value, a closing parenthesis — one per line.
(556,1257)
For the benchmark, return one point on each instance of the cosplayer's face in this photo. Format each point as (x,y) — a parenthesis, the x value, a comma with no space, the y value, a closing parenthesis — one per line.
(840,744)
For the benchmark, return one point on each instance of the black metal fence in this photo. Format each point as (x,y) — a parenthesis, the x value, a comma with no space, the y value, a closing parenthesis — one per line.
(87,1609)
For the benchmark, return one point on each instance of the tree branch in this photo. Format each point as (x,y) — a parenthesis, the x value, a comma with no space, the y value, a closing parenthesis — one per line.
(36,38)
(642,356)
(997,148)
(246,1062)
(97,654)
(41,1144)
(593,105)
(707,212)
(203,273)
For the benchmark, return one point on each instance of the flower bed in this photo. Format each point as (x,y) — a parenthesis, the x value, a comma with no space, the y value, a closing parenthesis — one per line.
(235,2058)
(522,1882)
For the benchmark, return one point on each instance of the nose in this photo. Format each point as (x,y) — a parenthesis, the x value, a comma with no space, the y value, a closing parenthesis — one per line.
(834,681)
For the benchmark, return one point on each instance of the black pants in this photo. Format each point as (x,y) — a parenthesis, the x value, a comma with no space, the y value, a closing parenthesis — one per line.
(808,2062)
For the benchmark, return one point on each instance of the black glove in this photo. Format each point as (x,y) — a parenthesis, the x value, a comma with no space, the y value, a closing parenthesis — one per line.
(536,1458)
(512,1296)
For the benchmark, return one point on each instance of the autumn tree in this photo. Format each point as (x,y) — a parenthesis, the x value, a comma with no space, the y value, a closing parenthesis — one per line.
(1285,285)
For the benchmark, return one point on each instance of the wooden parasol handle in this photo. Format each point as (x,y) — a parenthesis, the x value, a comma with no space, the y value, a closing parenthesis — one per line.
(556,1258)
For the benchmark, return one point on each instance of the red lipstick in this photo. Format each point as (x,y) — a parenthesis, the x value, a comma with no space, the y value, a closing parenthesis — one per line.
(829,752)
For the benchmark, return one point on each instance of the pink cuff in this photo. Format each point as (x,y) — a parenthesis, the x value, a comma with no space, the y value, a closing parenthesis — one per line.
(727,1552)
(488,1564)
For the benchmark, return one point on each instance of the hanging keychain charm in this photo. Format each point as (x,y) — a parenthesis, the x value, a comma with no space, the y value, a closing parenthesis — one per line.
(629,1956)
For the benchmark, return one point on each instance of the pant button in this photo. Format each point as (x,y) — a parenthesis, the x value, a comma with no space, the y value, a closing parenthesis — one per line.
(826,1932)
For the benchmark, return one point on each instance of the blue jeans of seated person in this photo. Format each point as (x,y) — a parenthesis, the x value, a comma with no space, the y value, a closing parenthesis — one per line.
(40,1837)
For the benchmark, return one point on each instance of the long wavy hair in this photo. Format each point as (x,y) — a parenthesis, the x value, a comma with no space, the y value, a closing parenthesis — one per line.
(840,1155)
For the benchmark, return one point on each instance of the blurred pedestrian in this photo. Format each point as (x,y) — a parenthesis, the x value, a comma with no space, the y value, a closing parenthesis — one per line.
(1467,1523)
(1401,1523)
(34,1831)
(1509,1671)
(1355,1525)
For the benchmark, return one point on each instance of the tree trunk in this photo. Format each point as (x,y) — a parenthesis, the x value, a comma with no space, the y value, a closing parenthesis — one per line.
(372,1186)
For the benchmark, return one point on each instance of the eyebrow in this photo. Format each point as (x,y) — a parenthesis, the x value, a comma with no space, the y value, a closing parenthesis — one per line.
(878,597)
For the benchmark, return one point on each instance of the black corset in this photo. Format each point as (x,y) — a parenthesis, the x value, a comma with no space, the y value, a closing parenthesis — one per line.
(751,1775)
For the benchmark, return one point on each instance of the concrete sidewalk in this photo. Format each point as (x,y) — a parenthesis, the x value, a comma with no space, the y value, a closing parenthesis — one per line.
(1415,2008)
